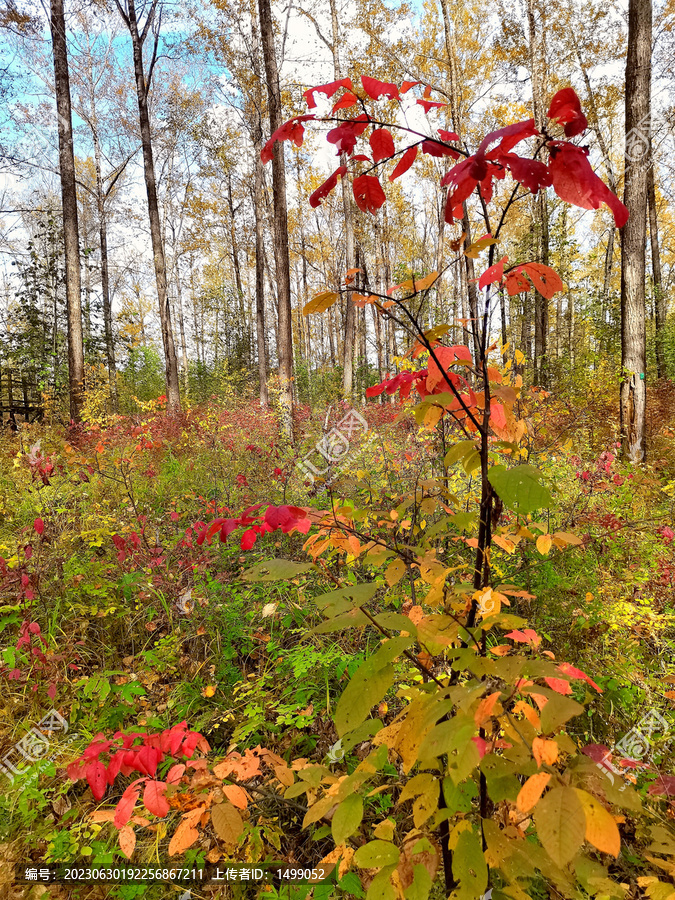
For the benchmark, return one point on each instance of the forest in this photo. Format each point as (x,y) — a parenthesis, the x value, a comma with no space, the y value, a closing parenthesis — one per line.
(337,450)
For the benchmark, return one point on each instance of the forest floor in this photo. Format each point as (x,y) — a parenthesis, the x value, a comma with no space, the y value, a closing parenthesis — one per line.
(114,614)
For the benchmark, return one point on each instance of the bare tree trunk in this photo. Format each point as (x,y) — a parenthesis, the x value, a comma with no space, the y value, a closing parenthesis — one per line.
(142,90)
(660,298)
(69,205)
(633,394)
(537,58)
(283,274)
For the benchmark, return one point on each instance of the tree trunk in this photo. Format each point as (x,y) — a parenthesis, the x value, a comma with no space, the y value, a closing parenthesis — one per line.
(537,58)
(350,310)
(69,204)
(633,395)
(660,298)
(283,274)
(142,90)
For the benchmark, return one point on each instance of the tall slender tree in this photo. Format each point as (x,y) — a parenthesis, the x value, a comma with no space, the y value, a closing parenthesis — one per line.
(69,206)
(283,269)
(633,393)
(138,37)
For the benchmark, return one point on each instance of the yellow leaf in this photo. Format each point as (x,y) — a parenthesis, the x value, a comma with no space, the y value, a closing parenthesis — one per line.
(474,249)
(227,823)
(519,357)
(320,303)
(530,793)
(601,829)
(395,571)
(544,543)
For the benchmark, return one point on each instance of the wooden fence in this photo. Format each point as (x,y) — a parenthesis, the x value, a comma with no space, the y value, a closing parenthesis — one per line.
(19,397)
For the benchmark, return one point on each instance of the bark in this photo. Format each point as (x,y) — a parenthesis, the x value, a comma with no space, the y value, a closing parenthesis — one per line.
(259,214)
(633,337)
(537,59)
(69,205)
(283,274)
(660,298)
(142,91)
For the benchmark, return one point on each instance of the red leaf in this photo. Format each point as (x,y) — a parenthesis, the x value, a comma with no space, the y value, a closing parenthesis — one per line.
(437,149)
(559,685)
(125,807)
(566,110)
(494,273)
(376,89)
(405,87)
(95,775)
(516,283)
(154,798)
(430,104)
(448,135)
(289,131)
(526,636)
(597,752)
(575,182)
(368,193)
(510,136)
(328,89)
(248,539)
(39,526)
(664,784)
(531,173)
(546,280)
(567,669)
(346,101)
(51,691)
(175,773)
(404,163)
(382,144)
(324,190)
(345,135)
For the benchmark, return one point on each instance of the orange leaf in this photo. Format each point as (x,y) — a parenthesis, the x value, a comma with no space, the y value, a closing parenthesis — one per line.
(530,793)
(127,840)
(236,795)
(485,707)
(544,751)
(186,834)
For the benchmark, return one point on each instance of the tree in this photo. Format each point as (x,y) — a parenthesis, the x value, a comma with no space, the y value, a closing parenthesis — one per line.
(283,270)
(633,392)
(69,206)
(138,38)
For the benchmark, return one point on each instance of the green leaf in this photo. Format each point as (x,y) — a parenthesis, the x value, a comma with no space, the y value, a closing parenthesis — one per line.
(558,709)
(520,488)
(338,601)
(376,854)
(561,824)
(446,737)
(459,452)
(350,619)
(368,685)
(469,866)
(276,570)
(347,818)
